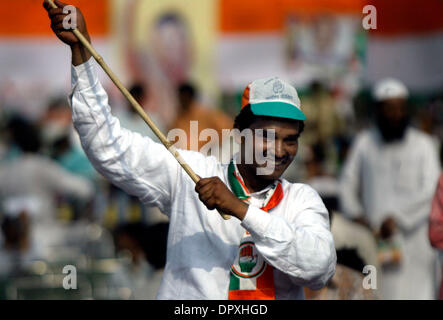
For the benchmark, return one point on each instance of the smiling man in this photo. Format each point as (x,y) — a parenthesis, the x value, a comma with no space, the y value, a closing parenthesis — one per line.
(279,240)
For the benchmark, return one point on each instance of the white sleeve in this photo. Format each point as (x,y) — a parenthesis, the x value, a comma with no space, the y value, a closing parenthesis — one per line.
(136,164)
(301,246)
(349,184)
(414,211)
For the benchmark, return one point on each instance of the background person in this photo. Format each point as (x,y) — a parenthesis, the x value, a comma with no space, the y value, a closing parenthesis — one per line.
(388,181)
(191,110)
(147,248)
(32,175)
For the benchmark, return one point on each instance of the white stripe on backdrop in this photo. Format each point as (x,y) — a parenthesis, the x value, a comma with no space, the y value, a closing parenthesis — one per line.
(416,59)
(35,69)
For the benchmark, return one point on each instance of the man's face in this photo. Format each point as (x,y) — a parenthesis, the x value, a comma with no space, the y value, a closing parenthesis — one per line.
(276,140)
(392,119)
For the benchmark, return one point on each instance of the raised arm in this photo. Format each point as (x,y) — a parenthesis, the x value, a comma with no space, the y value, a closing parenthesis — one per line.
(138,165)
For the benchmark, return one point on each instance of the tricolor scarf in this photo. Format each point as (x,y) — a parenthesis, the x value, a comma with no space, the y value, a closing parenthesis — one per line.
(252,278)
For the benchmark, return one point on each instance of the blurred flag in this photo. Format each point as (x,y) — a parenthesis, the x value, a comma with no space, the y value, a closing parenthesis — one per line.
(35,64)
(408,43)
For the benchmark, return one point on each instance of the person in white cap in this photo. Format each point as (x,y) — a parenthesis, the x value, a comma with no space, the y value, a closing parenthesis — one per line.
(278,239)
(387,182)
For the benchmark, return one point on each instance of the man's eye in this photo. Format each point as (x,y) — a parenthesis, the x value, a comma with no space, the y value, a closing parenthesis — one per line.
(261,134)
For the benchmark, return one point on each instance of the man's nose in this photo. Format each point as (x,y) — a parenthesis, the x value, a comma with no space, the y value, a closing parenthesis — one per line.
(279,149)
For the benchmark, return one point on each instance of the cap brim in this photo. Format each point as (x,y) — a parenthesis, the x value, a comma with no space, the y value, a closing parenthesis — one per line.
(278,109)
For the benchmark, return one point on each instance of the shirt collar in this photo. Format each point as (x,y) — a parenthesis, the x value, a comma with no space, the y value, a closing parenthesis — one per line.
(237,172)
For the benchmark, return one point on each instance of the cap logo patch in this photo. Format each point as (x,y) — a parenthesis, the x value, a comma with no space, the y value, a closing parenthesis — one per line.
(278,87)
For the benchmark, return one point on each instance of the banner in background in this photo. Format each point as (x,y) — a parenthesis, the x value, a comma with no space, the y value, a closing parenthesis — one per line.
(300,41)
(225,44)
(162,44)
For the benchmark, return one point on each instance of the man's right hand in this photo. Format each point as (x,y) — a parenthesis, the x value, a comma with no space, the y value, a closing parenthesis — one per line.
(79,53)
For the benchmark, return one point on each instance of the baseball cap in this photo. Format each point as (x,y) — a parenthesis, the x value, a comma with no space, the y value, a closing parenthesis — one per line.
(389,88)
(273,97)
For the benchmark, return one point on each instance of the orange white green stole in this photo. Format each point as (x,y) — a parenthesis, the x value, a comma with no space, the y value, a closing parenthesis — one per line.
(252,278)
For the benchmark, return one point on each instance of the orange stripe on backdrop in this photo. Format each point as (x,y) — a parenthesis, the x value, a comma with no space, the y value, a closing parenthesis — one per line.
(398,17)
(28,18)
(269,16)
(249,15)
(324,6)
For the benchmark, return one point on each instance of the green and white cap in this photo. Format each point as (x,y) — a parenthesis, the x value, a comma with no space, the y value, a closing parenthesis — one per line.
(273,97)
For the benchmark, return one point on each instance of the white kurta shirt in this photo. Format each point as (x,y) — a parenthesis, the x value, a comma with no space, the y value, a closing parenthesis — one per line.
(396,179)
(295,238)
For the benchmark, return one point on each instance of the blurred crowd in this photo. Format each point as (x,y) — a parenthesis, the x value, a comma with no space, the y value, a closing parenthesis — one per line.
(374,158)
